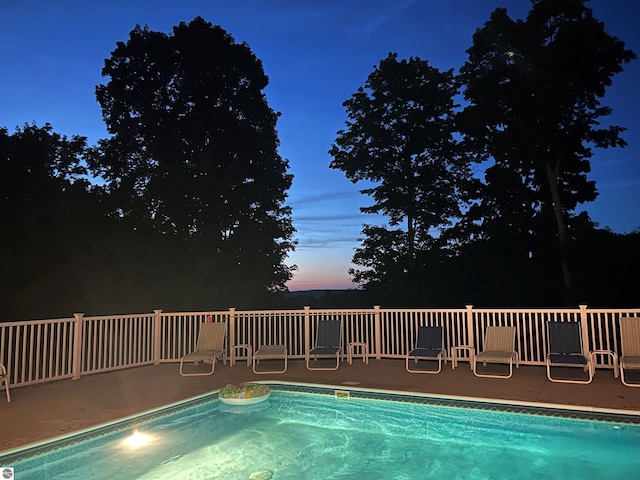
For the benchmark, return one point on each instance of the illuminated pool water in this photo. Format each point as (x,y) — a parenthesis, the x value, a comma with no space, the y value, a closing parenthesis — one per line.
(306,434)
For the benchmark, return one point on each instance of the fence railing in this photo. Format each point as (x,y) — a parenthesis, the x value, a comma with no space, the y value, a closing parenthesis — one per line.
(45,350)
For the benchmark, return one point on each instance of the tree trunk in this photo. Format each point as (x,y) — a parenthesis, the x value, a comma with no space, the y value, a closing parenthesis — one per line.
(411,236)
(563,232)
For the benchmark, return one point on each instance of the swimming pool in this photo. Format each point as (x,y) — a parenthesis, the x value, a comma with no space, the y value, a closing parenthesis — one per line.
(308,433)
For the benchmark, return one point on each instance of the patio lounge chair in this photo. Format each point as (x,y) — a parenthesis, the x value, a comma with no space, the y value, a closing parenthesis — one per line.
(565,350)
(630,347)
(270,352)
(499,347)
(328,343)
(428,347)
(4,379)
(210,347)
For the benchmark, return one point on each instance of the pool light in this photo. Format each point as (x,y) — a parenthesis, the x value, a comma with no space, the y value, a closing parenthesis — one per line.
(137,440)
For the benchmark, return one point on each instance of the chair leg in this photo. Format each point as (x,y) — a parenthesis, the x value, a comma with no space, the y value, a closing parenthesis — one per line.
(256,361)
(323,368)
(424,371)
(579,382)
(6,388)
(482,375)
(213,367)
(624,381)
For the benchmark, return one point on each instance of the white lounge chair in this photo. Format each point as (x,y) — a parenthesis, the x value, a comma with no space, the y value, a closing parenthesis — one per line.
(209,347)
(4,379)
(270,352)
(630,346)
(499,347)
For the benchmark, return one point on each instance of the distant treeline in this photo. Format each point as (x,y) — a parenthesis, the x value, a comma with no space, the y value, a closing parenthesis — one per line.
(605,274)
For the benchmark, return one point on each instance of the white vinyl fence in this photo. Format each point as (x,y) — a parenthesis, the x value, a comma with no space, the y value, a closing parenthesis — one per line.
(45,350)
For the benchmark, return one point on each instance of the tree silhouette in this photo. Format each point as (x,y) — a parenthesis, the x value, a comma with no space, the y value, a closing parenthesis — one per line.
(400,138)
(194,154)
(534,90)
(43,203)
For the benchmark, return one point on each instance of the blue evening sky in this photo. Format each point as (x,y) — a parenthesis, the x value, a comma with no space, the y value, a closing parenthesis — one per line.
(316,54)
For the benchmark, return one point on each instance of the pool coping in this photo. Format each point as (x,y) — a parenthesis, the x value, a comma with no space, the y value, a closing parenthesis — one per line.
(509,406)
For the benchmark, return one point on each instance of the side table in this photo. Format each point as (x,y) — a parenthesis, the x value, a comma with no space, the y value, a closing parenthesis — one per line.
(614,358)
(455,353)
(363,351)
(243,346)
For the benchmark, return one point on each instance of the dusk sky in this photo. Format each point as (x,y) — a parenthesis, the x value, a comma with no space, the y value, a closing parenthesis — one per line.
(316,54)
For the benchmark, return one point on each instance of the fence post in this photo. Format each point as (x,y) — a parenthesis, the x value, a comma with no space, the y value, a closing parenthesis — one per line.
(232,329)
(585,330)
(77,345)
(307,329)
(470,330)
(156,336)
(377,332)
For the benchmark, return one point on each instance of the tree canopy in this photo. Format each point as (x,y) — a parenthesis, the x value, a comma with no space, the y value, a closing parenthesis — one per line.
(400,139)
(531,116)
(182,207)
(534,90)
(43,204)
(194,151)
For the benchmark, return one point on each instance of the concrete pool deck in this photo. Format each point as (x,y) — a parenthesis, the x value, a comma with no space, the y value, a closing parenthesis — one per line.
(40,412)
